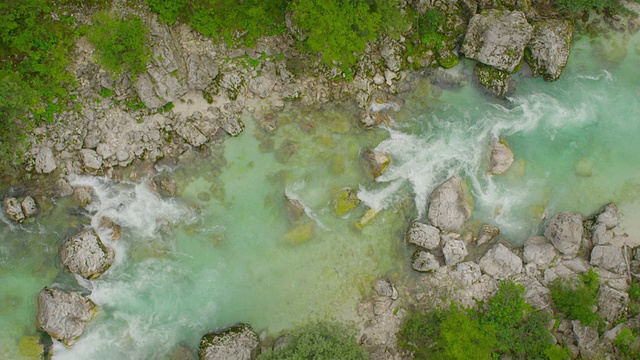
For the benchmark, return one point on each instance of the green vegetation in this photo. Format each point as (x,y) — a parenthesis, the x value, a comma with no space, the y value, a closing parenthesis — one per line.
(577,297)
(230,19)
(320,341)
(612,6)
(120,42)
(506,325)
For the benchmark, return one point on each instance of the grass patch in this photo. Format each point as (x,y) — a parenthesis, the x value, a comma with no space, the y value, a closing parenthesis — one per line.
(577,297)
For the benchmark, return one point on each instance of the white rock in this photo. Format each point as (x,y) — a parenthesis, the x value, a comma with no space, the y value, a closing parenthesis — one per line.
(565,232)
(45,162)
(608,257)
(500,262)
(423,235)
(538,250)
(454,252)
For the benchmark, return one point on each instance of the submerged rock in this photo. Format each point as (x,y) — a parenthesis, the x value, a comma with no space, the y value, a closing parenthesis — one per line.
(62,314)
(565,232)
(300,234)
(83,196)
(487,233)
(85,254)
(295,209)
(548,50)
(375,162)
(496,82)
(238,342)
(13,209)
(449,208)
(497,38)
(501,158)
(423,235)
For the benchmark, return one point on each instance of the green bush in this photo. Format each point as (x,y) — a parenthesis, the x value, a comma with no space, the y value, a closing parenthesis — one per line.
(226,18)
(576,298)
(120,43)
(505,325)
(320,341)
(339,29)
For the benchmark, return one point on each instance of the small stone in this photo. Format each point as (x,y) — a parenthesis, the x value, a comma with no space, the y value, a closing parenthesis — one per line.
(106,223)
(29,206)
(384,287)
(295,209)
(83,196)
(609,216)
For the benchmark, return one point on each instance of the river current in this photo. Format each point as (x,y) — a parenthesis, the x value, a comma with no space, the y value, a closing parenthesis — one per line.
(222,250)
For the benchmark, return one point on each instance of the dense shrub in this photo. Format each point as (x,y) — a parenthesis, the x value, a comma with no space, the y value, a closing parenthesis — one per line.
(505,325)
(577,297)
(120,42)
(320,341)
(226,19)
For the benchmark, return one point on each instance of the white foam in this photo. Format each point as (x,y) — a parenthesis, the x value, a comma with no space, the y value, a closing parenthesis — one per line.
(292,192)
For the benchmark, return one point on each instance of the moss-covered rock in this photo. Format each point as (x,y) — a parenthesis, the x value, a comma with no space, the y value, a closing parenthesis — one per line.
(300,234)
(548,51)
(446,58)
(346,200)
(497,82)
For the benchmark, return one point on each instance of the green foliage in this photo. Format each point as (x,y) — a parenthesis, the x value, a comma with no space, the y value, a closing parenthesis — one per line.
(506,325)
(428,27)
(320,341)
(226,18)
(120,42)
(557,353)
(576,298)
(339,29)
(612,6)
(104,92)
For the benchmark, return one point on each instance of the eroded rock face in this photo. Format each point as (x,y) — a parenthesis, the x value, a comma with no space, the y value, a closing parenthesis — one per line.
(85,254)
(449,208)
(62,314)
(496,82)
(497,38)
(549,48)
(423,235)
(501,158)
(29,206)
(238,342)
(565,232)
(500,262)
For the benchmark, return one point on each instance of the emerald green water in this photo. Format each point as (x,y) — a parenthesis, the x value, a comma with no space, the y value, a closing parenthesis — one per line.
(218,253)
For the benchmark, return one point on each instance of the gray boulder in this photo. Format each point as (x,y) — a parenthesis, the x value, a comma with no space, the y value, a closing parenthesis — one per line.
(608,257)
(238,342)
(611,303)
(600,235)
(449,208)
(565,232)
(467,273)
(609,216)
(191,134)
(538,250)
(231,123)
(500,262)
(91,159)
(501,158)
(496,82)
(549,48)
(201,71)
(85,254)
(454,252)
(487,233)
(13,209)
(424,261)
(423,235)
(45,162)
(263,85)
(62,314)
(29,206)
(497,38)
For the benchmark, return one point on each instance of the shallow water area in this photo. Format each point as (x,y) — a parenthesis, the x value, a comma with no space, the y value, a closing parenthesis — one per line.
(225,249)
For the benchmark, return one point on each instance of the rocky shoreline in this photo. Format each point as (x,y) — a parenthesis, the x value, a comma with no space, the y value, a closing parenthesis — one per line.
(195,92)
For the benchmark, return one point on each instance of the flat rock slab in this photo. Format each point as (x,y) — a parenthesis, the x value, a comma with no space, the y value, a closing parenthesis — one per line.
(497,38)
(62,314)
(85,254)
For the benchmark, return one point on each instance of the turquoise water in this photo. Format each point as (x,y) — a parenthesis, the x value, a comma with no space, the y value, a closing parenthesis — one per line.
(221,251)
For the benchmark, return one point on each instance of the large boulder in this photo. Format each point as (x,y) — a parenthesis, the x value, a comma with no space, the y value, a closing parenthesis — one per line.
(423,235)
(500,262)
(63,314)
(375,162)
(238,342)
(565,232)
(13,209)
(538,250)
(45,162)
(449,207)
(501,158)
(85,254)
(497,38)
(424,261)
(496,82)
(548,50)
(608,257)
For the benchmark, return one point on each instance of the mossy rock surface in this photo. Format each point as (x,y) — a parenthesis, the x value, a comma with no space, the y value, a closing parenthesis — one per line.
(346,200)
(300,234)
